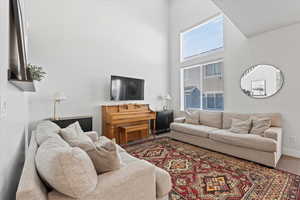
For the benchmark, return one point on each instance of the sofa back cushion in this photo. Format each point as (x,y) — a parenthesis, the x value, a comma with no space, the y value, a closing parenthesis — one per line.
(228,116)
(276,120)
(211,118)
(192,117)
(68,170)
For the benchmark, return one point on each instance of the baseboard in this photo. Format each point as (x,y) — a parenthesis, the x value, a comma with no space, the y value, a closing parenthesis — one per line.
(291,152)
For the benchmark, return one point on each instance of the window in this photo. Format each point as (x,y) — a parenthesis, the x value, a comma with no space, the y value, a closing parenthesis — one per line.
(212,70)
(213,101)
(203,38)
(197,92)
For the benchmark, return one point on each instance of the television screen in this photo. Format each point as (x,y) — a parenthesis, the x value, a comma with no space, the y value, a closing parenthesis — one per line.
(124,88)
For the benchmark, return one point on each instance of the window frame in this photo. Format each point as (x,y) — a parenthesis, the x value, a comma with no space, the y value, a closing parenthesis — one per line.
(206,53)
(182,96)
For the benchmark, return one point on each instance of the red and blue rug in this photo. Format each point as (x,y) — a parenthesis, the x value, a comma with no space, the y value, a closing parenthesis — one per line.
(199,174)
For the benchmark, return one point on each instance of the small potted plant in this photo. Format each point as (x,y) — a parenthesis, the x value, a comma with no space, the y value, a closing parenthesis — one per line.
(35,72)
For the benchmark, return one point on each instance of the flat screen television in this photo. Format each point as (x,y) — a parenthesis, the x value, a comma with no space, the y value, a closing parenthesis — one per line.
(125,88)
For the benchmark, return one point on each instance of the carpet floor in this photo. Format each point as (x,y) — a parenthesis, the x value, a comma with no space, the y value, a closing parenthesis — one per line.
(200,174)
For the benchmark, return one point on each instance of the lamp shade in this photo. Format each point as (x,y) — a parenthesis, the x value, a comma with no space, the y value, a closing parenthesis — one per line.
(59,96)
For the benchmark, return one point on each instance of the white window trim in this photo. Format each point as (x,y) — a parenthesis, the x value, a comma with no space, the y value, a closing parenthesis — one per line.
(182,101)
(203,54)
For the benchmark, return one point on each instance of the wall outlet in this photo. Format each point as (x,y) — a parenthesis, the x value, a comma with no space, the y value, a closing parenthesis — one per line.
(3,108)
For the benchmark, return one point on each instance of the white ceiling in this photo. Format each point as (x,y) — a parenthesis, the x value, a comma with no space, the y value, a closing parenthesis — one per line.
(253,17)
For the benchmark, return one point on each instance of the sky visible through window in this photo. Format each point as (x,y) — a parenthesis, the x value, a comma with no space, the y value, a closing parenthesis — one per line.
(204,38)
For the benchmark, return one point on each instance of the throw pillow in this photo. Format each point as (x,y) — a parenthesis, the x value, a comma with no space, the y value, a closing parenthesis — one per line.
(240,126)
(192,117)
(45,130)
(68,170)
(74,135)
(105,157)
(260,125)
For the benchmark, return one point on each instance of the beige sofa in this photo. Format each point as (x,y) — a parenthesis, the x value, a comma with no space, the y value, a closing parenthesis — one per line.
(136,180)
(213,133)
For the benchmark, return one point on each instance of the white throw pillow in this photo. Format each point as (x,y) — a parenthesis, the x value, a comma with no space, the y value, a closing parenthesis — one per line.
(240,126)
(46,130)
(260,125)
(74,135)
(68,170)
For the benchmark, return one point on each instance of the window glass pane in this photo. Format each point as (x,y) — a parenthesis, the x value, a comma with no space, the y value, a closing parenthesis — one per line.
(211,101)
(213,69)
(192,88)
(203,38)
(219,101)
(200,92)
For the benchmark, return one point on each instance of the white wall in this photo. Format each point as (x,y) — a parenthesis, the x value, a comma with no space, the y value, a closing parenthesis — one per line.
(81,44)
(280,48)
(13,125)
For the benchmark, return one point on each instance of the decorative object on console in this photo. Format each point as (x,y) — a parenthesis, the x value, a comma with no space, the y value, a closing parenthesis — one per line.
(86,122)
(262,81)
(167,99)
(58,97)
(163,121)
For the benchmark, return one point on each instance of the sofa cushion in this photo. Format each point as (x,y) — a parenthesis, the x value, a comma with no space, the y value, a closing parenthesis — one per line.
(211,118)
(105,157)
(227,118)
(244,140)
(192,117)
(74,135)
(240,126)
(275,118)
(103,139)
(45,130)
(66,169)
(260,125)
(191,129)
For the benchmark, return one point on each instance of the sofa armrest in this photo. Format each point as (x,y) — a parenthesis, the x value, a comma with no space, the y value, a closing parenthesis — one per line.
(134,181)
(274,133)
(179,119)
(93,135)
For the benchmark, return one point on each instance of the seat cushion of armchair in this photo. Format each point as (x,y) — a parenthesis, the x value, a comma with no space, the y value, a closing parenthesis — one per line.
(192,129)
(244,140)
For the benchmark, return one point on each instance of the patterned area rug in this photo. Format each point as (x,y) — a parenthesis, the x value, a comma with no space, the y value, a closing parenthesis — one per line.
(199,174)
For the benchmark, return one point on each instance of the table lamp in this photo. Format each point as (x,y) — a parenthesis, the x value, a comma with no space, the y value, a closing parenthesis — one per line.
(58,97)
(167,98)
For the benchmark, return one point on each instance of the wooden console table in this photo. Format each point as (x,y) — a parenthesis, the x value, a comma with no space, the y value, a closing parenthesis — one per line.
(114,117)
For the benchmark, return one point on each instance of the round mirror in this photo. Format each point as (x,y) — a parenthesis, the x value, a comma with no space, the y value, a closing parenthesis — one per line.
(262,81)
